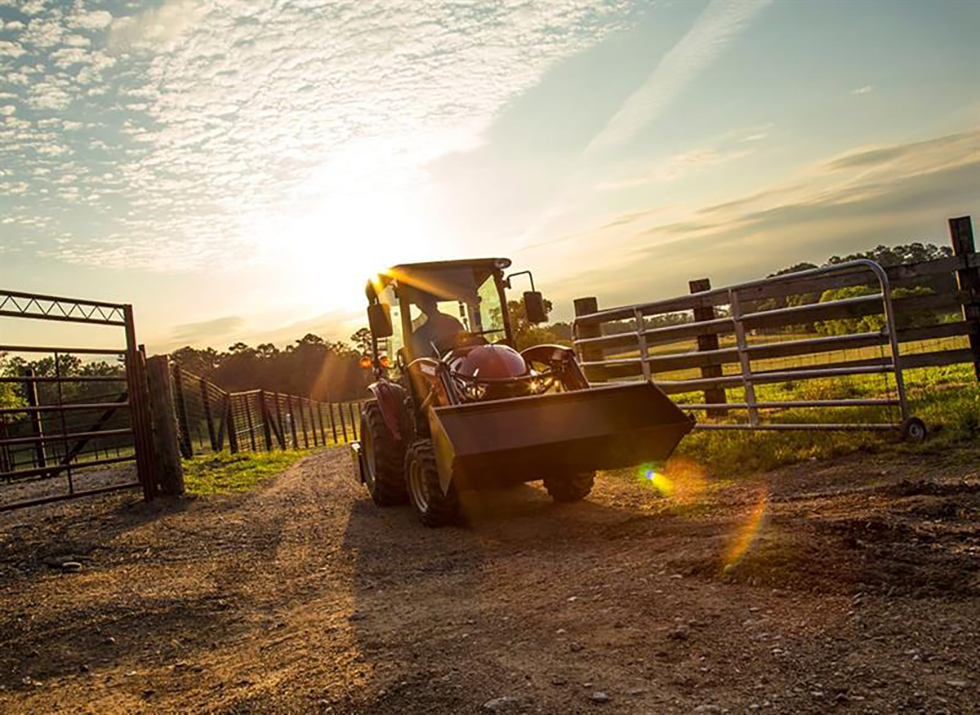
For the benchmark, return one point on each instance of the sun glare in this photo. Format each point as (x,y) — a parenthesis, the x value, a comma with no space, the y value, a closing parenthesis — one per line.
(323,256)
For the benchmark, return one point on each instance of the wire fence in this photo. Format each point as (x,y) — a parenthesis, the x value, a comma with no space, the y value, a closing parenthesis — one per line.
(37,445)
(210,419)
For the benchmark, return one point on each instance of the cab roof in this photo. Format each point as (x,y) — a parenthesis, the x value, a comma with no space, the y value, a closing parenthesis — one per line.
(439,277)
(484,263)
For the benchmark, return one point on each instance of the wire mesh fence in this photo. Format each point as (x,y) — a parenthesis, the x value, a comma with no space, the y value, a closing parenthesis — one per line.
(210,419)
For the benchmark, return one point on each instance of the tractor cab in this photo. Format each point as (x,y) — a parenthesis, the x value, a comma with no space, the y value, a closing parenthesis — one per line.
(428,309)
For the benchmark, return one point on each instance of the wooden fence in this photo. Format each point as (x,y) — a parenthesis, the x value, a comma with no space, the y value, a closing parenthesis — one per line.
(210,419)
(937,306)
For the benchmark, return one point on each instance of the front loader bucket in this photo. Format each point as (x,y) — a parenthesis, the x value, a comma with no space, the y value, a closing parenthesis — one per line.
(525,438)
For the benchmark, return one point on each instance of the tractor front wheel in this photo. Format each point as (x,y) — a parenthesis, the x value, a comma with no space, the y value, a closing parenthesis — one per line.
(434,508)
(382,459)
(570,487)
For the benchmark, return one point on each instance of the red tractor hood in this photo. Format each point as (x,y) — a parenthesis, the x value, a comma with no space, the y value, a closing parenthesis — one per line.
(488,362)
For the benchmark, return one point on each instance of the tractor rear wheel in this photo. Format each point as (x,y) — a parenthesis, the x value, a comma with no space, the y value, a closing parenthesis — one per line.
(434,508)
(570,487)
(383,457)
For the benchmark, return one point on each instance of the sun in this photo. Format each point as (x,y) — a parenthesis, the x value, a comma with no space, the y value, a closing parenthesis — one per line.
(323,256)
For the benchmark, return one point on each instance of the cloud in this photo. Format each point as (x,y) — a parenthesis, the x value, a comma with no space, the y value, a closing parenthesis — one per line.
(863,90)
(717,26)
(865,197)
(11,49)
(677,166)
(208,332)
(95,20)
(231,125)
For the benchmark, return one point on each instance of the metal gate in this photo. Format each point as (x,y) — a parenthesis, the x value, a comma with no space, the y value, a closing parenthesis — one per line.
(73,422)
(593,342)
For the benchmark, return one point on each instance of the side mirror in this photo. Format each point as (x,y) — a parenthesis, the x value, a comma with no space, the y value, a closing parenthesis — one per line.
(534,307)
(379,320)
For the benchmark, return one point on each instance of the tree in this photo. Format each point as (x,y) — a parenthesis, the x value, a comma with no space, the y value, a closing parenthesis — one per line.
(8,395)
(795,268)
(897,255)
(362,341)
(527,334)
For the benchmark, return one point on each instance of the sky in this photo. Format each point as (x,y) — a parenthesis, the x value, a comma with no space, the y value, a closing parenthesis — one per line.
(237,169)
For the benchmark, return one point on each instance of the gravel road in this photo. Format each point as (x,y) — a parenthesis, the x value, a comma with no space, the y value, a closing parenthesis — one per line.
(852,585)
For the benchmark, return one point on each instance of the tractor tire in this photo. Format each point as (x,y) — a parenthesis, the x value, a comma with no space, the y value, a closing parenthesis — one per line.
(570,487)
(383,459)
(434,508)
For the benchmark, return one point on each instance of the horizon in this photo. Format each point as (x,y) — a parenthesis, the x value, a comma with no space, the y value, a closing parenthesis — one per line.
(238,172)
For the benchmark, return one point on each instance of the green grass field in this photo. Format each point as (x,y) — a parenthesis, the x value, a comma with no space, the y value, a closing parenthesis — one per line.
(223,472)
(946,398)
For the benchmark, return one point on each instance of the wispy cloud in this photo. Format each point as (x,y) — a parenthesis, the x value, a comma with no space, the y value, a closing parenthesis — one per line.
(201,129)
(864,197)
(729,148)
(716,27)
(866,89)
(215,331)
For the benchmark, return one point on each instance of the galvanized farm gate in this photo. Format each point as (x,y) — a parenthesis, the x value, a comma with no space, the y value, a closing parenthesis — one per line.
(54,437)
(839,321)
(740,322)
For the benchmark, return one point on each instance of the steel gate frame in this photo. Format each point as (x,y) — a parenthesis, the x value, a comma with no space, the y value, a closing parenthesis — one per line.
(15,304)
(910,426)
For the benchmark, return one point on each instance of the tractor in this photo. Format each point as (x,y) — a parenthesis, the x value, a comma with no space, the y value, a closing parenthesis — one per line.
(455,406)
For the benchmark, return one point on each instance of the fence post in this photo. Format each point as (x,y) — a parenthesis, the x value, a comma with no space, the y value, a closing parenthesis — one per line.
(206,402)
(281,435)
(231,428)
(343,424)
(333,423)
(266,429)
(353,421)
(186,448)
(302,423)
(309,409)
(586,306)
(292,420)
(709,341)
(968,281)
(163,418)
(249,421)
(37,428)
(319,414)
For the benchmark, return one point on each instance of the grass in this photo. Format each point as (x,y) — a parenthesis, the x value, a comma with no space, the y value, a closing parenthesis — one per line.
(946,398)
(224,472)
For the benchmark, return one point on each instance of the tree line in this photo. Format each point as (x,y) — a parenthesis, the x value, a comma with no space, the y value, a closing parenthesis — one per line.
(311,367)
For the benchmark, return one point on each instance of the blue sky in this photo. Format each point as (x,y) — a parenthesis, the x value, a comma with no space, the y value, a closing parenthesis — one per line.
(236,169)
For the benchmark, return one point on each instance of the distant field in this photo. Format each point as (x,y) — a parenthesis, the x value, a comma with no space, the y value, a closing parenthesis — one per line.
(812,360)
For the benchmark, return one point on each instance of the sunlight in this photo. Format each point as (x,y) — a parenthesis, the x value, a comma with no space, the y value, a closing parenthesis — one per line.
(322,257)
(747,533)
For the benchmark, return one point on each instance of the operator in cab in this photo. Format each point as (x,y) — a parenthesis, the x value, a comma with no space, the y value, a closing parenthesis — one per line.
(438,328)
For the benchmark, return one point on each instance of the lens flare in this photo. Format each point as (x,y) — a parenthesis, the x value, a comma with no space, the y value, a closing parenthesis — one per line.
(661,482)
(682,480)
(747,533)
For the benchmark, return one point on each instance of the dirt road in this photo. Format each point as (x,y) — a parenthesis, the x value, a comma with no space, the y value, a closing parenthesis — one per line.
(850,586)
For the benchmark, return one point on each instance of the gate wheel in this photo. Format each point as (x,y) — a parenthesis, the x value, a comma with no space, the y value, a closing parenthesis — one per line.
(914,430)
(434,508)
(382,459)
